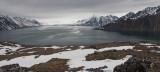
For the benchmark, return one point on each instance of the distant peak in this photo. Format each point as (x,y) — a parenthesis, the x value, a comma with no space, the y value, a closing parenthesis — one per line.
(150,8)
(95,16)
(110,15)
(131,13)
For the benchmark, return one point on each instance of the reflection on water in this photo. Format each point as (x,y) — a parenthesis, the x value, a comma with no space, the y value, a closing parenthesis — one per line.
(155,36)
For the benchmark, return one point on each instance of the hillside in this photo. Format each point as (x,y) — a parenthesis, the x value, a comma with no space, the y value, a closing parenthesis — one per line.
(146,23)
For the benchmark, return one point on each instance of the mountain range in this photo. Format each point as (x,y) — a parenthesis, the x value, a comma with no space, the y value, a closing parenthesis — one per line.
(97,20)
(104,20)
(9,22)
(145,20)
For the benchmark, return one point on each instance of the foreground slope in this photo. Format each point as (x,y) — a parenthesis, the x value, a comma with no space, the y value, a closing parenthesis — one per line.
(94,58)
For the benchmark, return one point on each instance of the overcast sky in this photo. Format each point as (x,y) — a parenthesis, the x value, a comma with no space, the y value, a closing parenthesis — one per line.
(69,11)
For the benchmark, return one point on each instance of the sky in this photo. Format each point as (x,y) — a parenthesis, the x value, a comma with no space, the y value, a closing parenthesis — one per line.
(70,11)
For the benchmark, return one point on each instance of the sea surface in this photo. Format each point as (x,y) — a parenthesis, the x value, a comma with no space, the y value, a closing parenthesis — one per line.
(72,35)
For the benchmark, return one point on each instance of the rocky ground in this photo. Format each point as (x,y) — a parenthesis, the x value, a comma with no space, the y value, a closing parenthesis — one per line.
(109,57)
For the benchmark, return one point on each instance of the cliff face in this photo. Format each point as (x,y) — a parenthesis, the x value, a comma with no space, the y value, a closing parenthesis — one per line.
(147,23)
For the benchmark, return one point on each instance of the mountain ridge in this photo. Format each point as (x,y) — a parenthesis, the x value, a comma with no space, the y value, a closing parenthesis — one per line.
(9,22)
(101,21)
(146,23)
(97,20)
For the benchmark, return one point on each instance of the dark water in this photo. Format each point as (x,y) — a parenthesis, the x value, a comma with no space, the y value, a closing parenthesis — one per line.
(71,35)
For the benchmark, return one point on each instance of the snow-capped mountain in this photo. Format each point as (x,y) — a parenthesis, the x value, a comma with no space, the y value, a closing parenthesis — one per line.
(23,22)
(129,15)
(9,22)
(147,11)
(97,20)
(6,23)
(142,13)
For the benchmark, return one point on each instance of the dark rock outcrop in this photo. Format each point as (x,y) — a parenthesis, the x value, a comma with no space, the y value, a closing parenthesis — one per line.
(13,68)
(134,65)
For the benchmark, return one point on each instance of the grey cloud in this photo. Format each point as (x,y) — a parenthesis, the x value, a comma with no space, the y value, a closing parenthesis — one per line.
(62,8)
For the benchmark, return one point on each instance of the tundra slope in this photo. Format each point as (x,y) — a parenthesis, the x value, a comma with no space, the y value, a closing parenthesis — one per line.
(95,58)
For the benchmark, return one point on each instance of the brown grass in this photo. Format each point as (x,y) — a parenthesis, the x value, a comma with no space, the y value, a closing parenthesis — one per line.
(110,54)
(140,47)
(76,69)
(120,54)
(54,65)
(112,44)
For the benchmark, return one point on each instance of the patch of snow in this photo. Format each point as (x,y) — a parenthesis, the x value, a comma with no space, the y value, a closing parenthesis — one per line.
(81,46)
(32,51)
(9,48)
(1,45)
(54,47)
(153,46)
(147,44)
(117,48)
(139,50)
(77,59)
(2,51)
(158,46)
(12,48)
(68,49)
(150,46)
(71,46)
